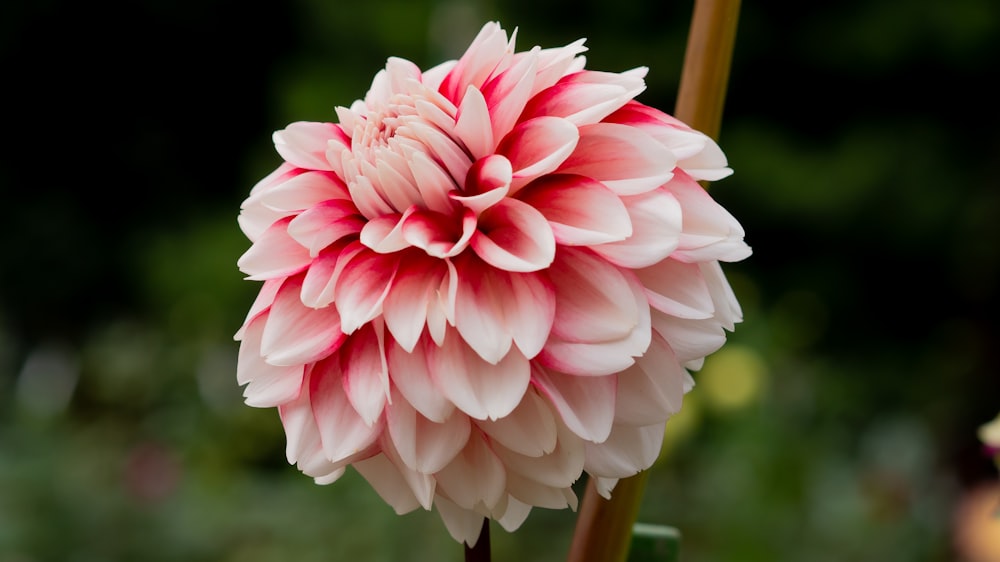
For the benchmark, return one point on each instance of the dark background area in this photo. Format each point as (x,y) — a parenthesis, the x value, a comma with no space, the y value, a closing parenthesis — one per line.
(838,424)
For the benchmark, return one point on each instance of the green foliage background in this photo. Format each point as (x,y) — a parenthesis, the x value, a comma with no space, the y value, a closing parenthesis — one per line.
(838,424)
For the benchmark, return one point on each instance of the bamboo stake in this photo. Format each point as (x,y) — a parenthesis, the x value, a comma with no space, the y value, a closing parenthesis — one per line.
(604,527)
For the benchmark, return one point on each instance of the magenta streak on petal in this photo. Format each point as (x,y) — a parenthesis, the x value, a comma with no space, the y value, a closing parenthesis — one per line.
(366,382)
(297,334)
(438,234)
(343,431)
(538,146)
(626,159)
(486,184)
(514,236)
(580,211)
(362,285)
(303,191)
(507,92)
(325,223)
(274,254)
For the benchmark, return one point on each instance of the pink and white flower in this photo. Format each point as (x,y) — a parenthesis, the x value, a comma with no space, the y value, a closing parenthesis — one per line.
(484,280)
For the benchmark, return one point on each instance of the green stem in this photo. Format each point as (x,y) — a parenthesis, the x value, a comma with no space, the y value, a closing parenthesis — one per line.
(604,527)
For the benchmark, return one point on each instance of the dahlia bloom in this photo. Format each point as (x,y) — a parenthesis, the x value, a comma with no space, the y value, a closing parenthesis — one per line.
(484,280)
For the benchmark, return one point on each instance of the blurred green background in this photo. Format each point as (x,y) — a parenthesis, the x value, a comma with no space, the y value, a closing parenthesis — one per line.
(837,425)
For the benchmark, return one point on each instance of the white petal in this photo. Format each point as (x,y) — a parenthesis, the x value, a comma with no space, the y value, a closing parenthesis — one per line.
(656,221)
(474,476)
(304,144)
(627,451)
(464,525)
(558,469)
(678,289)
(529,430)
(388,483)
(267,385)
(514,514)
(423,445)
(653,389)
(410,374)
(480,389)
(585,404)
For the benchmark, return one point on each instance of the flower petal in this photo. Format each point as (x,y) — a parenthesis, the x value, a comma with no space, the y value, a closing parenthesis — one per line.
(296,334)
(653,389)
(342,430)
(678,289)
(530,429)
(697,154)
(324,224)
(513,236)
(480,389)
(303,144)
(656,220)
(365,373)
(709,232)
(387,481)
(474,476)
(602,317)
(506,93)
(580,211)
(529,310)
(363,284)
(627,451)
(473,124)
(424,445)
(464,525)
(274,254)
(538,146)
(412,294)
(303,191)
(586,97)
(267,385)
(479,60)
(585,404)
(436,234)
(487,183)
(412,377)
(558,469)
(626,159)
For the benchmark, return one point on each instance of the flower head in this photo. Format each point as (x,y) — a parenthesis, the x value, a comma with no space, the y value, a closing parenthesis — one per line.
(484,280)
